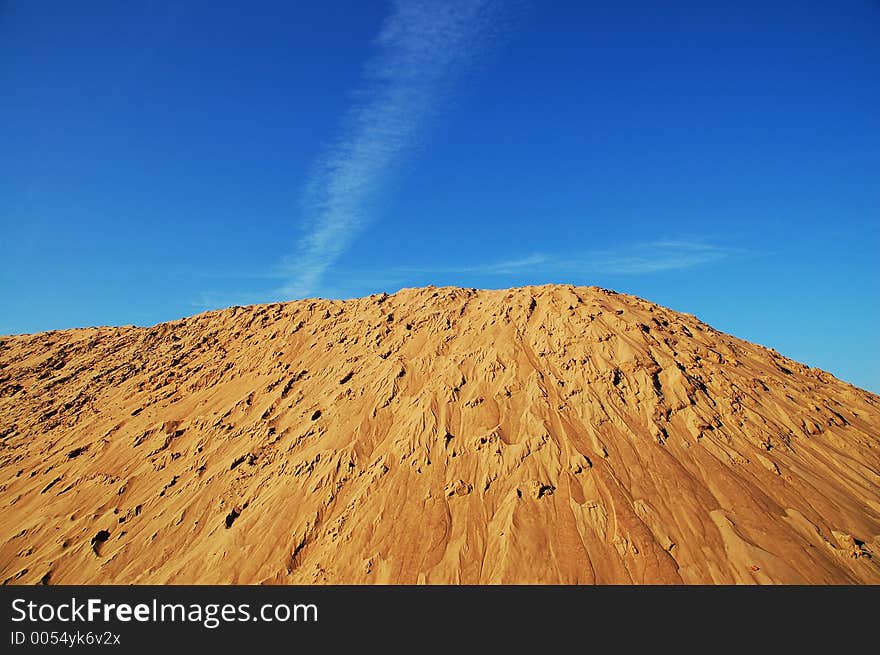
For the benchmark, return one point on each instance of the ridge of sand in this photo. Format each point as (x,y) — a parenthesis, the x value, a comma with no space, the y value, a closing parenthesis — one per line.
(550,434)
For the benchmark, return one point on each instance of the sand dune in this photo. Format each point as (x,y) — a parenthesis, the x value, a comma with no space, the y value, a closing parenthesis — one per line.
(440,435)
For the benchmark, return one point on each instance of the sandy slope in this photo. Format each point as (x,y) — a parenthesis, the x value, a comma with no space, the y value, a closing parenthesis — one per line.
(543,434)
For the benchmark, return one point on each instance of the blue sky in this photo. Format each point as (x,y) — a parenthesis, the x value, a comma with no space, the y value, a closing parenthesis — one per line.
(162,158)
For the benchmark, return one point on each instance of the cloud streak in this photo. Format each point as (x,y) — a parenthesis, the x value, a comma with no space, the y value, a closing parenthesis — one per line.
(638,259)
(422,46)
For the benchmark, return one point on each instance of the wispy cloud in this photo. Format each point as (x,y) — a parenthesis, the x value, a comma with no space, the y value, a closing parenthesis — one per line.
(654,257)
(422,46)
(638,259)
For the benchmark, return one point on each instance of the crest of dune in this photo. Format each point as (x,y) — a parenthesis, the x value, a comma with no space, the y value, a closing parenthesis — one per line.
(550,434)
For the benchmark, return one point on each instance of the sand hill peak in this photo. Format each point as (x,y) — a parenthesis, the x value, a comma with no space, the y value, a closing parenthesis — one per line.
(550,434)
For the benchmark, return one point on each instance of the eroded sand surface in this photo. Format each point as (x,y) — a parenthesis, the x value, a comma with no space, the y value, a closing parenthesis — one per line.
(536,435)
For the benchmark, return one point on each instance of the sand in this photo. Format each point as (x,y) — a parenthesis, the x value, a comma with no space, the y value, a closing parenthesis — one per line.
(550,434)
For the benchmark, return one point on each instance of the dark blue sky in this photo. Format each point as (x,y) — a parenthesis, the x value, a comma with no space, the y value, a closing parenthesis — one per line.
(162,158)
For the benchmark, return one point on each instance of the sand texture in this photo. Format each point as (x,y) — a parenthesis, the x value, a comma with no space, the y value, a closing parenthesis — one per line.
(548,434)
